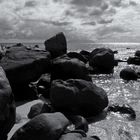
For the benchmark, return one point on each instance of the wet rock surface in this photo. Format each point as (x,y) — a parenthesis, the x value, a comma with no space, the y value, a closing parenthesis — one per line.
(67,68)
(7,106)
(23,66)
(56,45)
(44,126)
(78,96)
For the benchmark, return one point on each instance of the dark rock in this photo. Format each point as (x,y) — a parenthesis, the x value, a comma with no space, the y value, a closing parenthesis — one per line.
(78,56)
(128,74)
(103,60)
(39,108)
(23,66)
(67,68)
(47,126)
(137,53)
(44,84)
(75,136)
(79,122)
(18,45)
(56,45)
(134,60)
(124,109)
(7,106)
(77,96)
(86,54)
(115,52)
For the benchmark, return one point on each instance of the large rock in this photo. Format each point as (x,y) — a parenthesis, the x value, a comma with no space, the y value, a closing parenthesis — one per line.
(85,53)
(102,59)
(44,85)
(77,96)
(134,60)
(56,45)
(23,65)
(78,56)
(7,106)
(67,68)
(47,126)
(128,74)
(137,53)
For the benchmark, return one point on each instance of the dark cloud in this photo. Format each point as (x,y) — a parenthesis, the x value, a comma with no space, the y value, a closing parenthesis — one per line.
(86,2)
(116,3)
(104,6)
(58,23)
(30,4)
(96,12)
(133,3)
(89,23)
(105,21)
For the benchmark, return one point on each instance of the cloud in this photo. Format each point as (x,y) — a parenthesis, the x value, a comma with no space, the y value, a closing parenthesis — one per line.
(111,30)
(79,19)
(89,3)
(116,3)
(133,3)
(105,21)
(89,23)
(30,4)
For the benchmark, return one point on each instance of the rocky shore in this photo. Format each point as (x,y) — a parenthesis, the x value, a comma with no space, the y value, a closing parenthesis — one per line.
(60,89)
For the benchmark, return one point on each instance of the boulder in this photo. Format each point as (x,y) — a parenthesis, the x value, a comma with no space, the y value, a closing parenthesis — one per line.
(7,106)
(66,68)
(56,45)
(86,54)
(137,53)
(128,74)
(39,108)
(79,121)
(103,60)
(78,56)
(44,84)
(77,96)
(47,126)
(134,60)
(23,66)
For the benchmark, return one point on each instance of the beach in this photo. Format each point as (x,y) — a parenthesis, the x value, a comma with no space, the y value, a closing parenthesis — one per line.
(110,126)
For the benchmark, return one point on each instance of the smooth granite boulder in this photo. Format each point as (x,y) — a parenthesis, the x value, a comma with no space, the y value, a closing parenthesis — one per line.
(77,96)
(102,59)
(128,74)
(7,106)
(22,66)
(56,45)
(69,68)
(47,126)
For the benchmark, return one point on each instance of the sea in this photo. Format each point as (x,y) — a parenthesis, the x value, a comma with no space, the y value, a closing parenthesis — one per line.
(113,126)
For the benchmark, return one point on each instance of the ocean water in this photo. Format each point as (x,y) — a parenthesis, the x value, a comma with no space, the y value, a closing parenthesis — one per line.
(114,126)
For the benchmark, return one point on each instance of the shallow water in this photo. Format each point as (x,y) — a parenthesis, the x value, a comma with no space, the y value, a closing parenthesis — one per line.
(116,126)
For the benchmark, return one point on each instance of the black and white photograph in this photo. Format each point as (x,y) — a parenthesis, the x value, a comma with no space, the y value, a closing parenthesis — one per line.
(69,69)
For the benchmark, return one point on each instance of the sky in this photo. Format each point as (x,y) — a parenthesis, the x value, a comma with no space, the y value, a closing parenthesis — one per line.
(80,20)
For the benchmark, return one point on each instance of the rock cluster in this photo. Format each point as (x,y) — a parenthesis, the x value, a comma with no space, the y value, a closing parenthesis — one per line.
(62,81)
